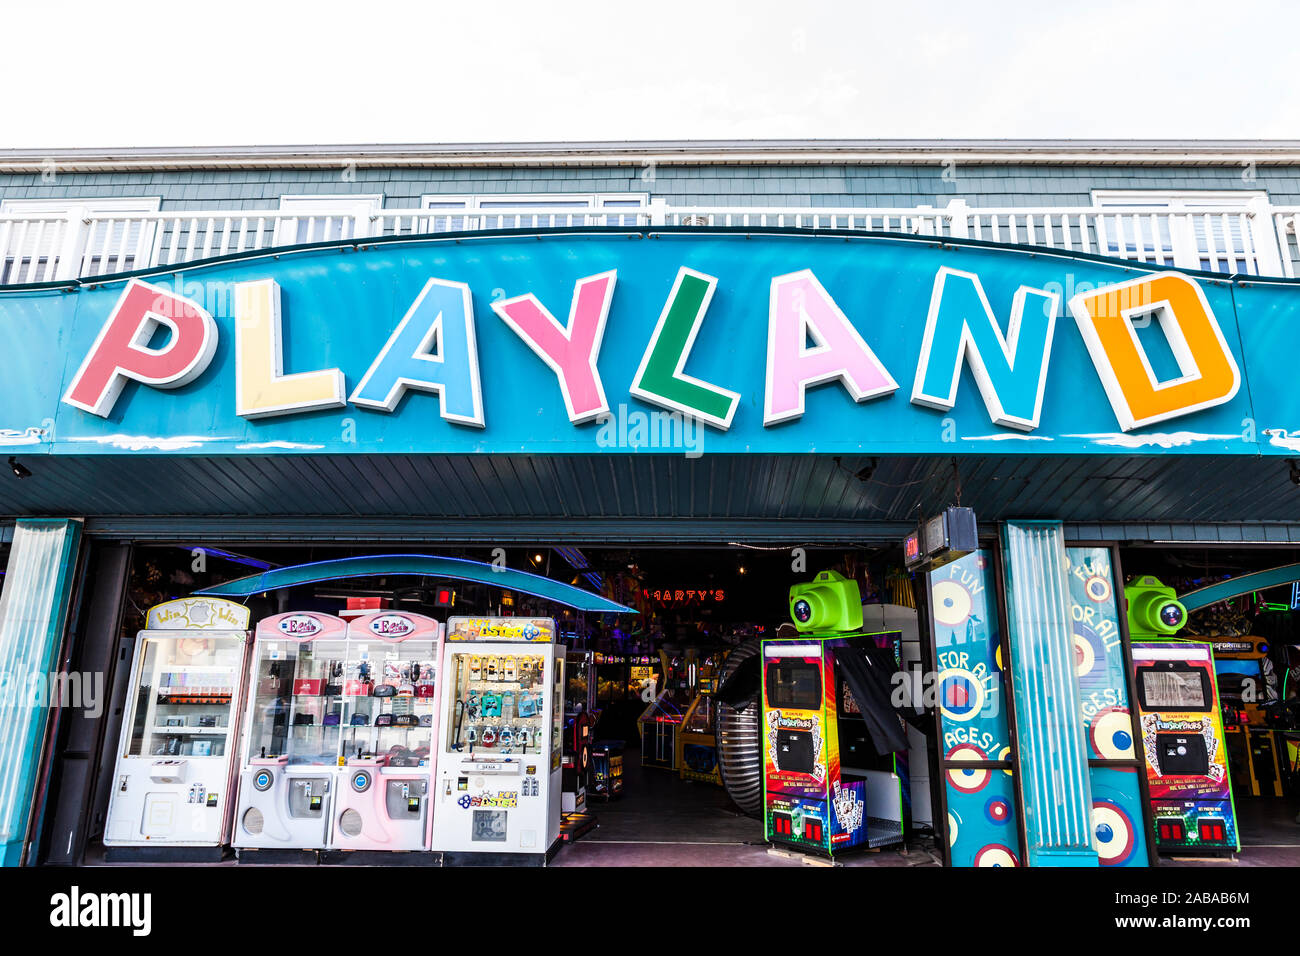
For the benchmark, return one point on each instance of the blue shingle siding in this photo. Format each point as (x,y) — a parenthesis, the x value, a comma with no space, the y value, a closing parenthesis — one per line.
(680,185)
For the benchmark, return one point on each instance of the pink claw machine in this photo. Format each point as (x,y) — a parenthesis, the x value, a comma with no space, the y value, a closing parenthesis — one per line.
(293,732)
(386,781)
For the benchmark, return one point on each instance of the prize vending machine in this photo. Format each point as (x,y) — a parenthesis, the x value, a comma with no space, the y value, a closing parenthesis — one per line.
(175,764)
(382,801)
(293,731)
(1183,739)
(502,706)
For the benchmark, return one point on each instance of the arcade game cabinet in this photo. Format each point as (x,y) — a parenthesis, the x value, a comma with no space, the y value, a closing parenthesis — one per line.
(175,765)
(1250,692)
(580,716)
(498,785)
(293,731)
(1182,730)
(662,718)
(382,799)
(830,731)
(697,737)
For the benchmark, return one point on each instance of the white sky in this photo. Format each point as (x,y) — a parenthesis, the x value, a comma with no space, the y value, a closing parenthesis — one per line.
(229,72)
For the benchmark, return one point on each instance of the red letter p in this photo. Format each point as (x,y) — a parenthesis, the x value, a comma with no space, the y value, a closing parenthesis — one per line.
(122,351)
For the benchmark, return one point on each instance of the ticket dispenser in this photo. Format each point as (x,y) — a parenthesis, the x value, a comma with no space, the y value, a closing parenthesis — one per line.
(502,705)
(1183,740)
(293,731)
(176,760)
(382,801)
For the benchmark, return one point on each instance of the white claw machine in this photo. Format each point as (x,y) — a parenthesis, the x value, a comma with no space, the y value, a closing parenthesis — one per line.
(502,705)
(293,731)
(176,762)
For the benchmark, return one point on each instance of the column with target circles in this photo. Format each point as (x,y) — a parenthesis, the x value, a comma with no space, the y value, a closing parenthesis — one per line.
(1118,832)
(975,745)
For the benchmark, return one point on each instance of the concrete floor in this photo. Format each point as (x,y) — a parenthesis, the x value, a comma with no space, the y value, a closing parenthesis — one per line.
(662,820)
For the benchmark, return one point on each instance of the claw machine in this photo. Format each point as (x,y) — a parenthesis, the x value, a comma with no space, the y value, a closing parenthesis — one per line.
(662,718)
(502,707)
(175,763)
(382,801)
(293,731)
(697,741)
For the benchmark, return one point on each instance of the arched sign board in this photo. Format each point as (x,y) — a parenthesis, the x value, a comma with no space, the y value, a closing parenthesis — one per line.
(690,341)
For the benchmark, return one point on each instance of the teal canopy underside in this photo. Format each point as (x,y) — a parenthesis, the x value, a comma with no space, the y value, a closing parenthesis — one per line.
(1235,587)
(386,565)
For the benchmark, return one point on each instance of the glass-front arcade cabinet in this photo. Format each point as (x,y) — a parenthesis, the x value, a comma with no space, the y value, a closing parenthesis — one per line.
(387,734)
(697,738)
(175,764)
(502,706)
(301,678)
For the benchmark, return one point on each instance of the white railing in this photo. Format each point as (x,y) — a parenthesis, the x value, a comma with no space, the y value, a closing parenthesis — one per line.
(1229,239)
(418,222)
(1286,226)
(30,247)
(917,221)
(1260,240)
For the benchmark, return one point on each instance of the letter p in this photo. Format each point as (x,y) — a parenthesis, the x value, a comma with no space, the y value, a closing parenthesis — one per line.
(122,351)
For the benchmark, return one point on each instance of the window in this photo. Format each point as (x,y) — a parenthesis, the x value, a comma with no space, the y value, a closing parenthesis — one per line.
(325,218)
(1195,230)
(1175,688)
(794,684)
(120,236)
(519,212)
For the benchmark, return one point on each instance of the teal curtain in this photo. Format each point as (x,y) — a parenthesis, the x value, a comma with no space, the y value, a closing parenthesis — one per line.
(1054,782)
(33,609)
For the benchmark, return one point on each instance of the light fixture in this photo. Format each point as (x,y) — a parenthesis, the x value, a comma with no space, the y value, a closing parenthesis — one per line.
(864,474)
(20,471)
(742,569)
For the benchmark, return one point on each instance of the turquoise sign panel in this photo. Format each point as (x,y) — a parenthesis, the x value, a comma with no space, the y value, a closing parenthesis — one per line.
(971,695)
(684,342)
(1119,834)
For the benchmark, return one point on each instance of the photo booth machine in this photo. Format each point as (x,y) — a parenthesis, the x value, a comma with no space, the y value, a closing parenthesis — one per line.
(830,732)
(1183,740)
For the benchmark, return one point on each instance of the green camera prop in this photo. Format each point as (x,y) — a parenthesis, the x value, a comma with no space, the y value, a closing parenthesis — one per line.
(829,602)
(1153,609)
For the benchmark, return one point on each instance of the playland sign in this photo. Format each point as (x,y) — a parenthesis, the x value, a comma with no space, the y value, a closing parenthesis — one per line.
(553,343)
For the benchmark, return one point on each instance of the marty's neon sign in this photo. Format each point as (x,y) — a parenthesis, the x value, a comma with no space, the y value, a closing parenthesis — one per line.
(433,349)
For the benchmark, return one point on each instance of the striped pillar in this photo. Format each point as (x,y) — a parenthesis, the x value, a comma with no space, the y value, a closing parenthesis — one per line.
(33,608)
(1053,755)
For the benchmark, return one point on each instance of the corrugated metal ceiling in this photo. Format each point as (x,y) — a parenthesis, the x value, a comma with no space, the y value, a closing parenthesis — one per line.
(626,491)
